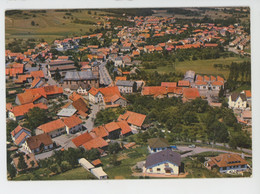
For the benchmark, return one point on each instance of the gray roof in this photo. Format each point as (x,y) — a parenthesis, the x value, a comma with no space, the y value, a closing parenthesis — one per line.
(125,83)
(190,74)
(56,62)
(79,75)
(67,112)
(163,156)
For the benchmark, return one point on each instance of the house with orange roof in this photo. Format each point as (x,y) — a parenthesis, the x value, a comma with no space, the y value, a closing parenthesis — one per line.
(52,128)
(248,96)
(227,163)
(135,120)
(155,91)
(20,134)
(95,96)
(98,142)
(73,124)
(184,83)
(18,112)
(81,139)
(201,85)
(190,94)
(169,84)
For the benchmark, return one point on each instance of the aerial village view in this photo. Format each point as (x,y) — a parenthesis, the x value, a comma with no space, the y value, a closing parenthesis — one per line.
(128,93)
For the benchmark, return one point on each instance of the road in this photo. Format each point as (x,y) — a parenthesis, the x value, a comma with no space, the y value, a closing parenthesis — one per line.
(45,71)
(198,150)
(104,75)
(90,121)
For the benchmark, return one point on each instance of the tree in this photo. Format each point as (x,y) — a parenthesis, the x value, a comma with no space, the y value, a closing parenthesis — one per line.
(32,163)
(33,23)
(64,166)
(11,170)
(36,117)
(54,168)
(10,126)
(57,75)
(221,92)
(93,154)
(21,163)
(89,12)
(114,148)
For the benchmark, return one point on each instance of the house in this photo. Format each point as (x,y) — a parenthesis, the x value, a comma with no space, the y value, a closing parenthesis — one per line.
(29,160)
(184,83)
(237,101)
(98,142)
(157,144)
(135,120)
(18,112)
(95,96)
(111,96)
(166,162)
(201,85)
(126,87)
(52,128)
(99,173)
(38,143)
(248,97)
(73,124)
(96,162)
(119,62)
(227,162)
(19,135)
(62,66)
(37,95)
(168,84)
(81,139)
(190,94)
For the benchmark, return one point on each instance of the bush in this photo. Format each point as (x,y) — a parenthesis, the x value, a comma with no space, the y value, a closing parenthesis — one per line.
(65,166)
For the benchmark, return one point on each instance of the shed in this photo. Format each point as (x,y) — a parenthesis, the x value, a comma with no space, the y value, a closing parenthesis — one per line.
(99,173)
(85,164)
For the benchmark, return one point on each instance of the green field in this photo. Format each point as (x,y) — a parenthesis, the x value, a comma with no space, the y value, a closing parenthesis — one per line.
(43,174)
(200,66)
(51,25)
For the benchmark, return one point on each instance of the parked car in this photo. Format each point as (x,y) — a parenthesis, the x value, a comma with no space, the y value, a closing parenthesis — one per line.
(192,146)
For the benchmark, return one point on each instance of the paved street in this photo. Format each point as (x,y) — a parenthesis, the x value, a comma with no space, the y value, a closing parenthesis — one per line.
(198,150)
(50,80)
(90,121)
(104,75)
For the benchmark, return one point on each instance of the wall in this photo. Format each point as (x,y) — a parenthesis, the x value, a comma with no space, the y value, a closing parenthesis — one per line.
(161,166)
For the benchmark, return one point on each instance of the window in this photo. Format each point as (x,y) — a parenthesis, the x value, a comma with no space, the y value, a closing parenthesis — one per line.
(158,169)
(224,168)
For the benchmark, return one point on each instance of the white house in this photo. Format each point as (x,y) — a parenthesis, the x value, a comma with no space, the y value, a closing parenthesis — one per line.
(166,162)
(85,164)
(20,134)
(237,101)
(95,96)
(125,86)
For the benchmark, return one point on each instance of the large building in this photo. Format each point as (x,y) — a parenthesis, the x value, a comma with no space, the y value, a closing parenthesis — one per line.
(84,79)
(62,66)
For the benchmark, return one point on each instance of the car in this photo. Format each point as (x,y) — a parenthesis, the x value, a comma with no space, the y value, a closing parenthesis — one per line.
(192,146)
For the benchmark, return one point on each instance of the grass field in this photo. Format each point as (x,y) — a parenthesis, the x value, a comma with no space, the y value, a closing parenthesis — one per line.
(51,25)
(200,66)
(43,174)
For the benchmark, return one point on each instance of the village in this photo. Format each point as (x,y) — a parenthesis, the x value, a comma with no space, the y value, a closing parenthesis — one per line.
(96,103)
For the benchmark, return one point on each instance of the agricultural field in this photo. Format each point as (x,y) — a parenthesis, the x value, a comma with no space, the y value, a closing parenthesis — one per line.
(200,66)
(50,24)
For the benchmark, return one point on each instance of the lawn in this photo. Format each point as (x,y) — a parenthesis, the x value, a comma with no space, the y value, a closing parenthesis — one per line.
(200,66)
(128,159)
(52,25)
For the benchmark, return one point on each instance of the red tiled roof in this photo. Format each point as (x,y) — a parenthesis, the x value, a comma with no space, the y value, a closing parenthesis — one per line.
(35,141)
(182,83)
(169,84)
(93,91)
(191,93)
(23,109)
(98,142)
(136,119)
(100,131)
(112,126)
(154,90)
(37,74)
(96,162)
(248,93)
(198,82)
(72,121)
(81,139)
(217,83)
(125,128)
(220,79)
(120,78)
(75,96)
(52,126)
